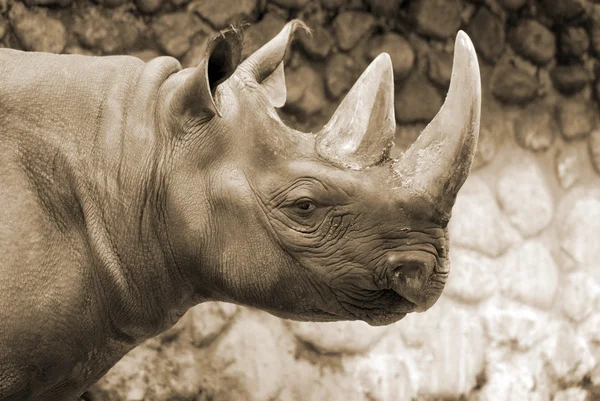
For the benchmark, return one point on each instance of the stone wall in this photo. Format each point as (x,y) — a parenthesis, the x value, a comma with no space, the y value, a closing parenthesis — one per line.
(520,317)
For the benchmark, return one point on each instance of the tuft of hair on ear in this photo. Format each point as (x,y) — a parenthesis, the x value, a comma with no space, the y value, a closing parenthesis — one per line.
(296,24)
(237,28)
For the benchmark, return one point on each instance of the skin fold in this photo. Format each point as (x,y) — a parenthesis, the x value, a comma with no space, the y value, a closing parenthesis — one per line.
(132,191)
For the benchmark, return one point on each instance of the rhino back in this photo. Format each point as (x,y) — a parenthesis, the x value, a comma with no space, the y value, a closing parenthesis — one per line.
(62,95)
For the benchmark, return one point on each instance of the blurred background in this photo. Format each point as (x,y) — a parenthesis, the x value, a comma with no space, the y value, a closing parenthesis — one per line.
(520,317)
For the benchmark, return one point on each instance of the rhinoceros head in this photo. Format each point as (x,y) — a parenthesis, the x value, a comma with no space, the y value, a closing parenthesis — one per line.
(319,226)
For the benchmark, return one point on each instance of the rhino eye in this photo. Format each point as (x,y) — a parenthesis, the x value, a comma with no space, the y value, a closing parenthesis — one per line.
(304,207)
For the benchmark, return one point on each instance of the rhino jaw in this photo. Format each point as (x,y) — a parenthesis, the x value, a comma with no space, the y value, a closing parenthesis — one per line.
(438,163)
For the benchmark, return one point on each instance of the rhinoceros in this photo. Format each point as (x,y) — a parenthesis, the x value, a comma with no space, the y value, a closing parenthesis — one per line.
(132,191)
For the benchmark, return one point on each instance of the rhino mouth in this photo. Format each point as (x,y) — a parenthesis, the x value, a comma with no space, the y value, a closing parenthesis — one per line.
(389,307)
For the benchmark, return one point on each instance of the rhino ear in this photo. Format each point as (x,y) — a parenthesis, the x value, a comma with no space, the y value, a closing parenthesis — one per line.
(274,87)
(223,54)
(265,66)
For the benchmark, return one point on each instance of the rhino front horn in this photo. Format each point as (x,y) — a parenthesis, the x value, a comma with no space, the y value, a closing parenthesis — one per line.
(361,131)
(437,164)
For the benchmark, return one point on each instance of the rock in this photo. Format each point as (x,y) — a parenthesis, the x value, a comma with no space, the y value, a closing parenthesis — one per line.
(222,13)
(209,319)
(533,41)
(340,74)
(250,362)
(96,31)
(416,100)
(148,6)
(578,225)
(112,3)
(513,5)
(4,27)
(170,335)
(590,329)
(472,278)
(574,42)
(131,28)
(524,196)
(436,18)
(487,31)
(563,10)
(451,344)
(385,8)
(477,222)
(291,4)
(535,128)
(576,117)
(405,137)
(173,32)
(568,355)
(402,55)
(333,4)
(514,377)
(597,89)
(594,145)
(350,337)
(197,51)
(568,166)
(61,3)
(595,379)
(74,49)
(128,379)
(510,323)
(571,394)
(512,85)
(306,93)
(440,68)
(36,30)
(350,27)
(487,145)
(316,45)
(594,29)
(146,55)
(530,274)
(260,33)
(570,79)
(175,372)
(322,382)
(578,296)
(469,10)
(381,376)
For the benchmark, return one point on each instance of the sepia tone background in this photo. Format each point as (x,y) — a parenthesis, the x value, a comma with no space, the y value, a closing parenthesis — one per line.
(520,318)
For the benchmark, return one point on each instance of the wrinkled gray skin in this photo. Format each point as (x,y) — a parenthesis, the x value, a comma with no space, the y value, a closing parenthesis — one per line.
(130,192)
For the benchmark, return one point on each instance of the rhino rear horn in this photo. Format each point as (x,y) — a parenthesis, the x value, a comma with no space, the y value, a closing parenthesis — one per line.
(361,132)
(438,163)
(223,54)
(265,65)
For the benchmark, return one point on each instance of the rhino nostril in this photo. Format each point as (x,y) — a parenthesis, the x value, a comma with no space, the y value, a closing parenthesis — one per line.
(410,271)
(410,276)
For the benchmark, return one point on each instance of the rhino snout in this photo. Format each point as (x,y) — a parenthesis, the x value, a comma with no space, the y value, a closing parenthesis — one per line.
(409,274)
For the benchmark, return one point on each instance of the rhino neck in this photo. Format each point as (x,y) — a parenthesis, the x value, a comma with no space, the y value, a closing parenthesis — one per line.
(86,127)
(126,191)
